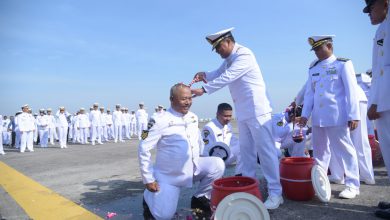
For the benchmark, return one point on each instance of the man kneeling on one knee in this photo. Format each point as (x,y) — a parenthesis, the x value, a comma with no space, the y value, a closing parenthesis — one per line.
(177,140)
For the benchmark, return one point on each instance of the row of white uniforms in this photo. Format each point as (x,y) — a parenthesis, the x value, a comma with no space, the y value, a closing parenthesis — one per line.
(177,140)
(380,86)
(331,101)
(241,73)
(214,132)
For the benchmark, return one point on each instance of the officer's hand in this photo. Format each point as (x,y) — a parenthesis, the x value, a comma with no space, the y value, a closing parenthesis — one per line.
(353,124)
(153,187)
(372,113)
(197,92)
(302,122)
(200,76)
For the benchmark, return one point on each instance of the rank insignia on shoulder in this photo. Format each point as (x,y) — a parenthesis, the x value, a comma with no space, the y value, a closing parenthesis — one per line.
(280,123)
(144,134)
(342,59)
(315,74)
(206,141)
(206,133)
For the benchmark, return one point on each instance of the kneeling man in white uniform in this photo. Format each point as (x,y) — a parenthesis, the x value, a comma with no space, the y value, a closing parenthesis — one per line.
(177,140)
(219,130)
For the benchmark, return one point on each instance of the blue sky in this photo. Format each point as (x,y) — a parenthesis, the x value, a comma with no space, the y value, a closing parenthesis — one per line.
(77,52)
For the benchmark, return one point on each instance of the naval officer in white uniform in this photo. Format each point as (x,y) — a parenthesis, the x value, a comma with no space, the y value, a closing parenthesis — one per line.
(117,119)
(220,130)
(379,102)
(95,119)
(331,101)
(176,137)
(26,125)
(142,119)
(242,74)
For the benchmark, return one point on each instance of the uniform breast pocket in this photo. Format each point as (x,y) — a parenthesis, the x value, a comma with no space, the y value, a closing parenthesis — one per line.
(333,81)
(314,81)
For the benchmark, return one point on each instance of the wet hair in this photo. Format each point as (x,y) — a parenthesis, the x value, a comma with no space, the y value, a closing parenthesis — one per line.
(175,87)
(224,107)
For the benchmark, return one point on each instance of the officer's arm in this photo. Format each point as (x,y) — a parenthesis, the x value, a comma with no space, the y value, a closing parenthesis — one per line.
(308,100)
(214,74)
(349,81)
(239,66)
(148,142)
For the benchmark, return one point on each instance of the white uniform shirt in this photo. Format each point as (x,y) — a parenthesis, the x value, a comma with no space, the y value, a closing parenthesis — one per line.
(52,121)
(214,131)
(133,120)
(364,81)
(62,120)
(103,119)
(380,89)
(142,116)
(330,95)
(95,117)
(108,119)
(26,122)
(42,121)
(5,124)
(176,138)
(82,121)
(242,74)
(117,117)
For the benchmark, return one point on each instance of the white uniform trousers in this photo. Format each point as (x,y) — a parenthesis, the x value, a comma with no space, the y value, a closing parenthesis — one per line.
(43,136)
(141,126)
(52,135)
(359,138)
(36,133)
(103,132)
(76,135)
(336,142)
(110,132)
(370,127)
(62,133)
(133,129)
(255,136)
(126,129)
(6,137)
(95,131)
(383,127)
(25,141)
(117,133)
(163,204)
(18,139)
(84,135)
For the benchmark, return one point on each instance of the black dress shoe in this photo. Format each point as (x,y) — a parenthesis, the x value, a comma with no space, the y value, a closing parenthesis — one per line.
(201,207)
(383,213)
(384,205)
(147,214)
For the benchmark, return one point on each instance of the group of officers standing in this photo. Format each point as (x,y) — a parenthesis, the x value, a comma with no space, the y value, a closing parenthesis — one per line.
(96,126)
(331,98)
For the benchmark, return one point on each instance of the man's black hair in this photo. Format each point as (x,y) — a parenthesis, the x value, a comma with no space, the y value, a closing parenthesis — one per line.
(223,107)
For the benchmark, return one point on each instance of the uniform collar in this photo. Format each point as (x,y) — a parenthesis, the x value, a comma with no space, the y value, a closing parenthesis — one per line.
(329,59)
(235,48)
(175,113)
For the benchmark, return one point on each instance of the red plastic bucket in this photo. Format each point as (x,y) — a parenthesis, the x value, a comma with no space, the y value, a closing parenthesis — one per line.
(295,177)
(376,153)
(226,186)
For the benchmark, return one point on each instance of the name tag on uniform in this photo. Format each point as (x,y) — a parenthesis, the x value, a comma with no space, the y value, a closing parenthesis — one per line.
(315,74)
